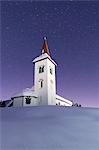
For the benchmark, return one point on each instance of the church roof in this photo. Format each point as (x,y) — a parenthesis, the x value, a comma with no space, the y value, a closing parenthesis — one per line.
(26,92)
(45,53)
(64,99)
(44,56)
(45,47)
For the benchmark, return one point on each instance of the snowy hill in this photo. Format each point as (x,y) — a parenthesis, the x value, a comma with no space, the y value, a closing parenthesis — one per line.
(49,128)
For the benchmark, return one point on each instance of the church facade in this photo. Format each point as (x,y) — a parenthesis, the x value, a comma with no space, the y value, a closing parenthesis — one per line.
(44,90)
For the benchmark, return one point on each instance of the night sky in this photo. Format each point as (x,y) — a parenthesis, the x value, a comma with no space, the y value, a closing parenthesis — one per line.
(72,30)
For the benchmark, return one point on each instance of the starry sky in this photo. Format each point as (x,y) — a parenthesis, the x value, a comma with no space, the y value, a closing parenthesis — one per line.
(72,30)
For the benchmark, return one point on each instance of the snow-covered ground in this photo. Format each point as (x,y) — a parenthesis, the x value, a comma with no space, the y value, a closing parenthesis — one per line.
(49,128)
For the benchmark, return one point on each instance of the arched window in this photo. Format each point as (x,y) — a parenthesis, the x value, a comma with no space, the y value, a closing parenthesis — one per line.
(50,70)
(40,83)
(41,69)
(28,100)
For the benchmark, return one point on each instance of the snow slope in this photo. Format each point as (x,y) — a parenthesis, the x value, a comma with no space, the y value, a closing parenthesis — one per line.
(49,128)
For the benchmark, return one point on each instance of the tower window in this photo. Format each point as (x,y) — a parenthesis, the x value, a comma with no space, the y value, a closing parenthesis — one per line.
(28,100)
(41,69)
(51,71)
(41,83)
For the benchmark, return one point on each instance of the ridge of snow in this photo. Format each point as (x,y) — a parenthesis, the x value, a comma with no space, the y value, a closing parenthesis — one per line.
(49,128)
(26,92)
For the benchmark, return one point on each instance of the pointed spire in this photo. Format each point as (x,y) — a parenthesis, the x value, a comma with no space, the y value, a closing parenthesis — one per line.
(45,47)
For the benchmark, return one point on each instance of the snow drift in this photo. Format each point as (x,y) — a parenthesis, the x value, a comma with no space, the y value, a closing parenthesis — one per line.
(49,128)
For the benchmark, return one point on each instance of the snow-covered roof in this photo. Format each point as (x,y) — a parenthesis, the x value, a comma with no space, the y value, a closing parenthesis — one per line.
(43,56)
(26,92)
(64,100)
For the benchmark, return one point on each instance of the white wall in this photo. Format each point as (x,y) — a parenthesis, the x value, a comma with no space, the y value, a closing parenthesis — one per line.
(21,101)
(42,92)
(18,102)
(47,93)
(34,102)
(51,83)
(61,103)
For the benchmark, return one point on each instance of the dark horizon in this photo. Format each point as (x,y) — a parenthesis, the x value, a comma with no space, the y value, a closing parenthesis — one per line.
(72,31)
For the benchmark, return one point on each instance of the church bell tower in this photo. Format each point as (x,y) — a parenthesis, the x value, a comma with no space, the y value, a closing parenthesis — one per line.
(44,77)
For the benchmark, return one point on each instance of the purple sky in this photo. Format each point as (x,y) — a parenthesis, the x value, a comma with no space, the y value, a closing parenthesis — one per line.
(72,30)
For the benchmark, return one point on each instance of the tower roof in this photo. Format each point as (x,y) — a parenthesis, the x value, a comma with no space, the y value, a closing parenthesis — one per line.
(45,47)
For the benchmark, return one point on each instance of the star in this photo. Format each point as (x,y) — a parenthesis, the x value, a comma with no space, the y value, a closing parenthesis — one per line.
(7,27)
(21,30)
(22,19)
(72,29)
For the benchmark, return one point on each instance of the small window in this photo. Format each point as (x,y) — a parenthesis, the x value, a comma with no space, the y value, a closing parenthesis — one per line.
(41,83)
(41,69)
(50,70)
(28,100)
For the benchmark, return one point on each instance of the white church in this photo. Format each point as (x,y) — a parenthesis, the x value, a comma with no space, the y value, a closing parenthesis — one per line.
(44,90)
